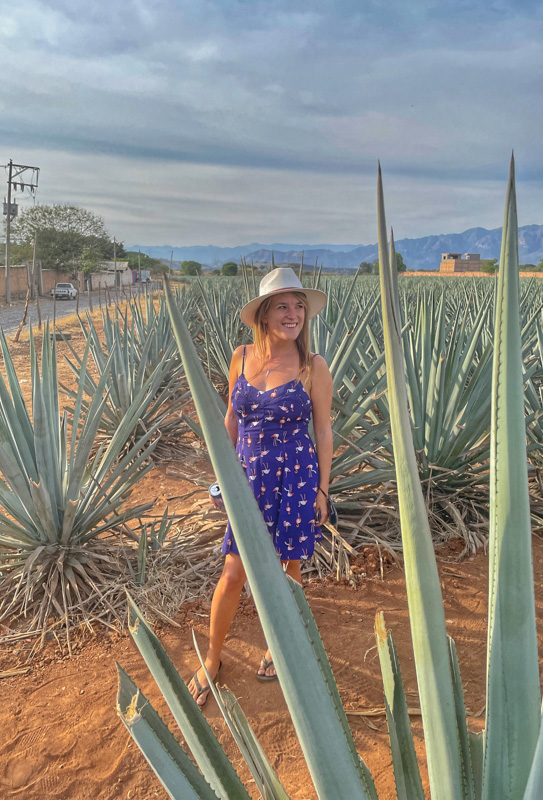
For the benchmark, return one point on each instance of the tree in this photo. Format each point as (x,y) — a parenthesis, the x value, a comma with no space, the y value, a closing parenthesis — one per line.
(229,268)
(400,264)
(68,237)
(366,268)
(489,265)
(531,267)
(191,268)
(157,266)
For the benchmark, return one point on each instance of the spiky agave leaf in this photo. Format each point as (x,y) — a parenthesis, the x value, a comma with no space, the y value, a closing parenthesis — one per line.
(426,614)
(313,710)
(513,693)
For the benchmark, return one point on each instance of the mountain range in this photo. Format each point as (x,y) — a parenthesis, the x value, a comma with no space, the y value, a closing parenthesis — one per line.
(418,254)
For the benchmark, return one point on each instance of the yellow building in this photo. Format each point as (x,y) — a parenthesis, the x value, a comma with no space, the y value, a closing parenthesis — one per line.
(456,262)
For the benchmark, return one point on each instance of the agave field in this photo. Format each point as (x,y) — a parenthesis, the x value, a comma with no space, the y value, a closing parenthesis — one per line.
(438,435)
(71,453)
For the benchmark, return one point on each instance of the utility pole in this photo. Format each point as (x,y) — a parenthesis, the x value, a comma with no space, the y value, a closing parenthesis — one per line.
(117,277)
(171,262)
(16,175)
(139,266)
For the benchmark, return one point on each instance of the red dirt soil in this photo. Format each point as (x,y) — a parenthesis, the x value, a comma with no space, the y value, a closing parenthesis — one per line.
(61,737)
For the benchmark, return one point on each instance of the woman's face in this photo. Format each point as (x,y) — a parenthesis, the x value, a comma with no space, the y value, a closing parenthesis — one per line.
(285,316)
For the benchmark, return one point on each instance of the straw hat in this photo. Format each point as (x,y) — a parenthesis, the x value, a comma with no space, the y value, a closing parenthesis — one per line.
(282,279)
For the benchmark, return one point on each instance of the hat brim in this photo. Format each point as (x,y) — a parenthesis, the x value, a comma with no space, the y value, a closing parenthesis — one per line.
(316,300)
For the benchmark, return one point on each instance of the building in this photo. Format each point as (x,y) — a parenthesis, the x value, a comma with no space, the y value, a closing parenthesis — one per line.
(109,275)
(456,262)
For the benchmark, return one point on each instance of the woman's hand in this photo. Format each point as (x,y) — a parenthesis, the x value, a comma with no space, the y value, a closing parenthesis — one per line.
(321,508)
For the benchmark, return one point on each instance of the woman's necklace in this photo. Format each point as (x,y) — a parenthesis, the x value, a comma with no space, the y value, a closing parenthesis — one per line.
(271,369)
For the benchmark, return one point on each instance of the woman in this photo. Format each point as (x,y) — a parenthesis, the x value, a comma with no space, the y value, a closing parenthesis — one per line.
(276,385)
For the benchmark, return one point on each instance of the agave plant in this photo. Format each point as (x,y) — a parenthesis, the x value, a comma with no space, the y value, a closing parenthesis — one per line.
(508,768)
(60,500)
(511,765)
(140,365)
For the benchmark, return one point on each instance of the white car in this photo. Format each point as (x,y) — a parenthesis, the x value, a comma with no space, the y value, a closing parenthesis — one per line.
(64,291)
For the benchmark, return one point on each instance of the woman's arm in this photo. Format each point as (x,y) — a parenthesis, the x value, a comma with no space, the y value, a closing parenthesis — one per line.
(321,400)
(231,420)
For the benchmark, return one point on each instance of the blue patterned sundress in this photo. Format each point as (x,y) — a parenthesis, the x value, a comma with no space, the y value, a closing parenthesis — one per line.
(280,462)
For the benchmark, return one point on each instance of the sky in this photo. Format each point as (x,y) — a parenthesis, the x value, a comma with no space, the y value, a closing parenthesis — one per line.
(185,122)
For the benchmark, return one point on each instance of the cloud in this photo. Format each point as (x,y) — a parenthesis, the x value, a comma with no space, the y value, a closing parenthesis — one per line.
(279,92)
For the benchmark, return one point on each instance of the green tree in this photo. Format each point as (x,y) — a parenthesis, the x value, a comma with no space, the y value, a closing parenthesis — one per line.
(191,268)
(68,237)
(229,268)
(489,265)
(156,265)
(366,267)
(91,256)
(400,264)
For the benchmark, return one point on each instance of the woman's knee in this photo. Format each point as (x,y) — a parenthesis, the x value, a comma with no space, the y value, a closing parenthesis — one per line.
(233,576)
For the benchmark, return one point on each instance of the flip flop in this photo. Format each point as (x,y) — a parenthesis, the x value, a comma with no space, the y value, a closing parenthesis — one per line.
(265,664)
(204,689)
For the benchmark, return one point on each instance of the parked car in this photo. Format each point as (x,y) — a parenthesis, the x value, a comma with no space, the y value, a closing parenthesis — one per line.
(64,291)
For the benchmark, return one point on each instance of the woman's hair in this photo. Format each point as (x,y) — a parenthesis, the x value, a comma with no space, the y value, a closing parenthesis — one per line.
(302,340)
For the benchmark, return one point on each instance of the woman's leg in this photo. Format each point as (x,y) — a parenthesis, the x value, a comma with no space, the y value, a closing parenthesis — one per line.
(292,569)
(223,610)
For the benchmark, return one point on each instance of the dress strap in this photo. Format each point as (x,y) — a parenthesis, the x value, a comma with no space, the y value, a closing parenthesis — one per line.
(243,361)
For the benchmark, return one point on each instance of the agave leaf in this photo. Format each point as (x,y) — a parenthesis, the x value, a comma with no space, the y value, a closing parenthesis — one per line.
(404,758)
(46,454)
(142,557)
(272,786)
(171,764)
(201,740)
(426,612)
(44,510)
(15,413)
(513,693)
(68,520)
(476,749)
(463,734)
(534,787)
(320,733)
(326,670)
(265,778)
(16,478)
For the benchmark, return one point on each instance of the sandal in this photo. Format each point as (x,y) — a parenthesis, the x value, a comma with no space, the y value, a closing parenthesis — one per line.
(265,664)
(203,689)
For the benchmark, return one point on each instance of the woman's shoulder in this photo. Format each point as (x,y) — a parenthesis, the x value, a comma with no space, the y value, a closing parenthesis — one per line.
(239,358)
(242,350)
(319,363)
(320,376)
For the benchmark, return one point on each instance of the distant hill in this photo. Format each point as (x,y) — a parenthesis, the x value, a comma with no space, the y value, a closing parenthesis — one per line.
(424,253)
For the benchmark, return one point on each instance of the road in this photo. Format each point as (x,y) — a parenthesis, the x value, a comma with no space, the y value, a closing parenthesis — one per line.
(11,317)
